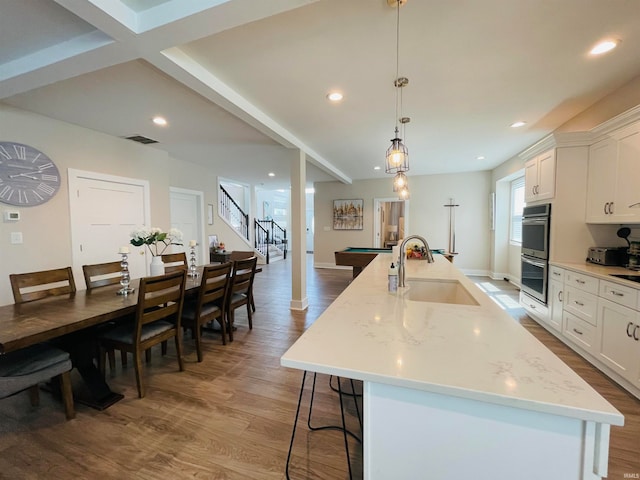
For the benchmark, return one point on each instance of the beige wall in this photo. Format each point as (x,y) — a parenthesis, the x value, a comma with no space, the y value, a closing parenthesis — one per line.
(427,216)
(46,228)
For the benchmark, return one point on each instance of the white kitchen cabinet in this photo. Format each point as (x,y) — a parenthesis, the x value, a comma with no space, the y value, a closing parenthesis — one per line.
(618,344)
(554,301)
(614,168)
(540,177)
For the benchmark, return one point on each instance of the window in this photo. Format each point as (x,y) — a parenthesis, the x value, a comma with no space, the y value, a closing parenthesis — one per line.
(517,205)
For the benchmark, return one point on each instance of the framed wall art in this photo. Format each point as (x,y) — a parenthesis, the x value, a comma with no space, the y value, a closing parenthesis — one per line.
(347,214)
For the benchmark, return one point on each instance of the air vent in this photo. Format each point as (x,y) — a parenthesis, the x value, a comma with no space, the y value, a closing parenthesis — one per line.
(141,139)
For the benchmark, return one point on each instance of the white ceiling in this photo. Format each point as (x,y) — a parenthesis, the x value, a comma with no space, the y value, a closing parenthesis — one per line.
(240,81)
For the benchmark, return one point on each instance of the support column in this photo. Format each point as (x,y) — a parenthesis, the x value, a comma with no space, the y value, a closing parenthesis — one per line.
(299,300)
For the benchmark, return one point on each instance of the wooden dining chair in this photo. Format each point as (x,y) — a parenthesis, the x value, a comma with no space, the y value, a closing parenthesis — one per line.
(174,261)
(31,286)
(25,369)
(241,255)
(103,275)
(158,318)
(210,304)
(241,290)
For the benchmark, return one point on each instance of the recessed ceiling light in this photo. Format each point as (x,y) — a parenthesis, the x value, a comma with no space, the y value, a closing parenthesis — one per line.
(604,47)
(271,174)
(335,96)
(160,121)
(480,157)
(376,168)
(518,124)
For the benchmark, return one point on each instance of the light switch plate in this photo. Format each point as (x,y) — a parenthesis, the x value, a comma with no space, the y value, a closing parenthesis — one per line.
(16,238)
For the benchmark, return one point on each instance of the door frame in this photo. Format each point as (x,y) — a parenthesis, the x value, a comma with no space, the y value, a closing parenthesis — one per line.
(204,245)
(74,177)
(377,203)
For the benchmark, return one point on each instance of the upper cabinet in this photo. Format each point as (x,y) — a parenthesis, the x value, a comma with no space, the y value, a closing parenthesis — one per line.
(614,169)
(540,177)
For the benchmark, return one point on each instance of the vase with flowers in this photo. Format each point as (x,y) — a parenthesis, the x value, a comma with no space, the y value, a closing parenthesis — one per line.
(157,242)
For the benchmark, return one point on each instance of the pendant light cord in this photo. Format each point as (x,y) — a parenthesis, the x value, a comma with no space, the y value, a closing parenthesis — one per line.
(395,82)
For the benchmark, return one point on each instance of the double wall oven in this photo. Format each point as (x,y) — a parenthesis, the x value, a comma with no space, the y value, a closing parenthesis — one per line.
(535,251)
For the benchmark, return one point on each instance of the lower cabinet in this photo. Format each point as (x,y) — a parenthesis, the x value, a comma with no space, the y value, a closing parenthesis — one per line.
(594,316)
(579,332)
(619,339)
(555,303)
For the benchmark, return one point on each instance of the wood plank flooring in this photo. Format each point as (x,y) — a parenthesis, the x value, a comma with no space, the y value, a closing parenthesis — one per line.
(230,416)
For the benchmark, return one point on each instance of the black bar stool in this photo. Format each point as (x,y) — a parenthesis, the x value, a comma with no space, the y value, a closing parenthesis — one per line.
(342,428)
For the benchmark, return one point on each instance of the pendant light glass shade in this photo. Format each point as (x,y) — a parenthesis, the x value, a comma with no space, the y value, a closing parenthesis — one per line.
(397,160)
(404,193)
(399,182)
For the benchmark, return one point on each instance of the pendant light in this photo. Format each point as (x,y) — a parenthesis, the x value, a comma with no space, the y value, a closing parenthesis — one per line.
(397,156)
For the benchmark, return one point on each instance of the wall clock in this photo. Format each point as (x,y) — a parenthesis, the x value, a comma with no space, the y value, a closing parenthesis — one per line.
(27,176)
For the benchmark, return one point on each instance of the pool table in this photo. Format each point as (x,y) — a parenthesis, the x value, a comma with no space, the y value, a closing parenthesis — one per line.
(358,257)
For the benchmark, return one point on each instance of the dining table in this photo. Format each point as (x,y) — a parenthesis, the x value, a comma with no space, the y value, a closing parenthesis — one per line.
(63,316)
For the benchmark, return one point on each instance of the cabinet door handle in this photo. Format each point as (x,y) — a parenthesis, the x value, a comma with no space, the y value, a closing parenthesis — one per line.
(557,274)
(580,304)
(577,331)
(611,208)
(617,294)
(634,205)
(532,306)
(635,330)
(560,296)
(630,324)
(581,282)
(604,208)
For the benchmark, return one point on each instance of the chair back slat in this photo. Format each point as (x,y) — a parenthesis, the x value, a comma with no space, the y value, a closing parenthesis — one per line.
(243,274)
(174,261)
(27,287)
(102,274)
(214,285)
(160,297)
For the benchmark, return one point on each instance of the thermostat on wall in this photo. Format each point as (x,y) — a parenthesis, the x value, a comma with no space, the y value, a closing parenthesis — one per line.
(11,216)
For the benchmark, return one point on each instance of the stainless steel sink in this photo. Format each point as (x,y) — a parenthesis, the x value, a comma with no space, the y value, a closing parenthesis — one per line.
(437,291)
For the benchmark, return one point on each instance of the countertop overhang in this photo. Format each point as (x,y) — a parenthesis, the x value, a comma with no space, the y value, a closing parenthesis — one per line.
(475,352)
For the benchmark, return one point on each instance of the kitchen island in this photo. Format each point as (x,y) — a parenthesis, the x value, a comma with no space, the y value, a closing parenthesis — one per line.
(453,386)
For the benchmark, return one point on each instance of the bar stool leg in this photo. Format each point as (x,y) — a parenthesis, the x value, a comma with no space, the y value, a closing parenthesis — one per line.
(325,427)
(344,430)
(295,422)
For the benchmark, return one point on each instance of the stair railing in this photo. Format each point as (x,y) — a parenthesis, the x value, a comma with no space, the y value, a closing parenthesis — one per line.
(262,240)
(278,235)
(233,214)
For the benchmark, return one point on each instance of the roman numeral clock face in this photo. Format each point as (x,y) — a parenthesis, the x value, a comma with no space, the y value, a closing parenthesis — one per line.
(27,176)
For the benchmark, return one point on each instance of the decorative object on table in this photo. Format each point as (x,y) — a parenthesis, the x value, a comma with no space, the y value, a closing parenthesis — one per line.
(416,252)
(125,278)
(27,176)
(192,259)
(219,248)
(348,214)
(157,242)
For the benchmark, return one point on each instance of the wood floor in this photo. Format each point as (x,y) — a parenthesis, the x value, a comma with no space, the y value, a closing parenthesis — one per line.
(230,416)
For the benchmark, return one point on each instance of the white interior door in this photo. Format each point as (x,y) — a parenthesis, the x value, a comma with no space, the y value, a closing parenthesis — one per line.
(104,210)
(187,215)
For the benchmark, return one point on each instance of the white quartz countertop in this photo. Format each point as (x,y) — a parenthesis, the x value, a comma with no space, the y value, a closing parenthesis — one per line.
(476,352)
(602,272)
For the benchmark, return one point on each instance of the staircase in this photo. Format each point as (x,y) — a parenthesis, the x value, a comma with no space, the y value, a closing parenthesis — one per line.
(270,239)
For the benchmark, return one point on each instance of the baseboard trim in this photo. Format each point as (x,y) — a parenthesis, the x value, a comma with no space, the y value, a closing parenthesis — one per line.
(299,305)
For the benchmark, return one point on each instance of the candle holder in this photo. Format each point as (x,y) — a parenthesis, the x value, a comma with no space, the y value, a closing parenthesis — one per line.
(192,262)
(125,279)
